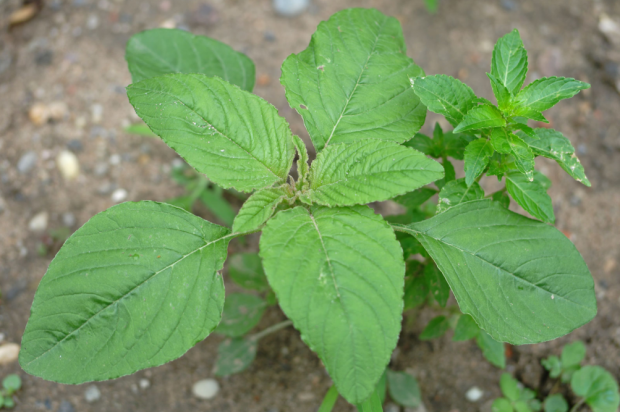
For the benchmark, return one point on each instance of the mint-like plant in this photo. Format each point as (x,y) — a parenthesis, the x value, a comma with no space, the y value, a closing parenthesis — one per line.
(139,284)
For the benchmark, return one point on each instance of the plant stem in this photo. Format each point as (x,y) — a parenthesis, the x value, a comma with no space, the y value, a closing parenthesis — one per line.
(271,329)
(578,405)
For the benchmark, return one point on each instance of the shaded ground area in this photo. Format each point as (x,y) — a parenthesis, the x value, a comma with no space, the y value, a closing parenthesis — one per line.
(72,52)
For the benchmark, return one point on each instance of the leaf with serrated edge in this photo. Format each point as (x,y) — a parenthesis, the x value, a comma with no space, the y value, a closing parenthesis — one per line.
(531,195)
(509,62)
(234,355)
(368,171)
(338,274)
(158,52)
(477,156)
(352,82)
(135,287)
(543,93)
(598,387)
(522,280)
(456,192)
(501,93)
(416,198)
(241,313)
(302,162)
(258,208)
(481,117)
(553,145)
(445,95)
(234,137)
(524,157)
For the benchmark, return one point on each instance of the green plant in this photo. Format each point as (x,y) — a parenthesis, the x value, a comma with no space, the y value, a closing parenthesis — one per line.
(11,384)
(592,385)
(138,285)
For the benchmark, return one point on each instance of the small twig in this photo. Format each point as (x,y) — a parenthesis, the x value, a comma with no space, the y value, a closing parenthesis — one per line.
(271,329)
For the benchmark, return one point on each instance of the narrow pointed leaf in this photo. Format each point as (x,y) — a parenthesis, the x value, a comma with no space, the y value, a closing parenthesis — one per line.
(234,137)
(502,94)
(416,198)
(499,262)
(234,355)
(450,174)
(466,328)
(218,205)
(352,82)
(330,399)
(302,163)
(544,93)
(445,95)
(481,117)
(524,157)
(454,144)
(258,208)
(509,61)
(135,287)
(425,145)
(368,171)
(553,145)
(531,195)
(241,314)
(492,350)
(457,192)
(598,387)
(477,156)
(158,52)
(526,130)
(339,276)
(509,387)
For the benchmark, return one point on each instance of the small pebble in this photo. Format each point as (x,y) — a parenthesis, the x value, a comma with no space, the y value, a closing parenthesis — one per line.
(44,57)
(27,162)
(68,165)
(38,223)
(582,149)
(391,407)
(105,188)
(269,36)
(39,114)
(66,406)
(100,169)
(144,384)
(93,22)
(8,353)
(509,5)
(96,112)
(57,110)
(206,389)
(119,195)
(75,145)
(290,8)
(68,219)
(115,159)
(92,394)
(474,394)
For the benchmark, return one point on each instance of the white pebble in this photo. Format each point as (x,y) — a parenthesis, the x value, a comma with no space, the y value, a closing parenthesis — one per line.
(119,195)
(8,353)
(205,389)
(115,159)
(38,223)
(68,165)
(96,112)
(92,394)
(474,394)
(144,384)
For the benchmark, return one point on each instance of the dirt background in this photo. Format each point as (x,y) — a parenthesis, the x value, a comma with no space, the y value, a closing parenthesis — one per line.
(73,52)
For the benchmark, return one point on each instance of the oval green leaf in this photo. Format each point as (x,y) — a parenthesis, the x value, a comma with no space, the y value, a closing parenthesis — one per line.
(598,387)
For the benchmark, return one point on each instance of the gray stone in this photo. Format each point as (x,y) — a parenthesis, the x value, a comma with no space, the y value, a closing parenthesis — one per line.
(68,219)
(66,406)
(290,8)
(75,145)
(92,394)
(101,169)
(27,162)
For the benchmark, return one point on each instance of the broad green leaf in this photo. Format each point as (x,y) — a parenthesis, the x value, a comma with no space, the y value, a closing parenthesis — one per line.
(481,117)
(415,198)
(234,355)
(339,276)
(416,291)
(217,204)
(501,263)
(450,174)
(455,144)
(438,287)
(409,244)
(457,192)
(234,137)
(141,129)
(12,383)
(526,130)
(302,161)
(403,388)
(135,287)
(371,404)
(573,354)
(242,312)
(527,113)
(381,387)
(368,171)
(425,145)
(556,403)
(445,95)
(502,94)
(509,61)
(510,387)
(531,195)
(8,402)
(477,156)
(553,365)
(352,82)
(435,328)
(330,399)
(502,405)
(542,180)
(466,328)
(492,350)
(524,157)
(544,93)
(553,145)
(247,271)
(258,208)
(158,52)
(523,406)
(598,387)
